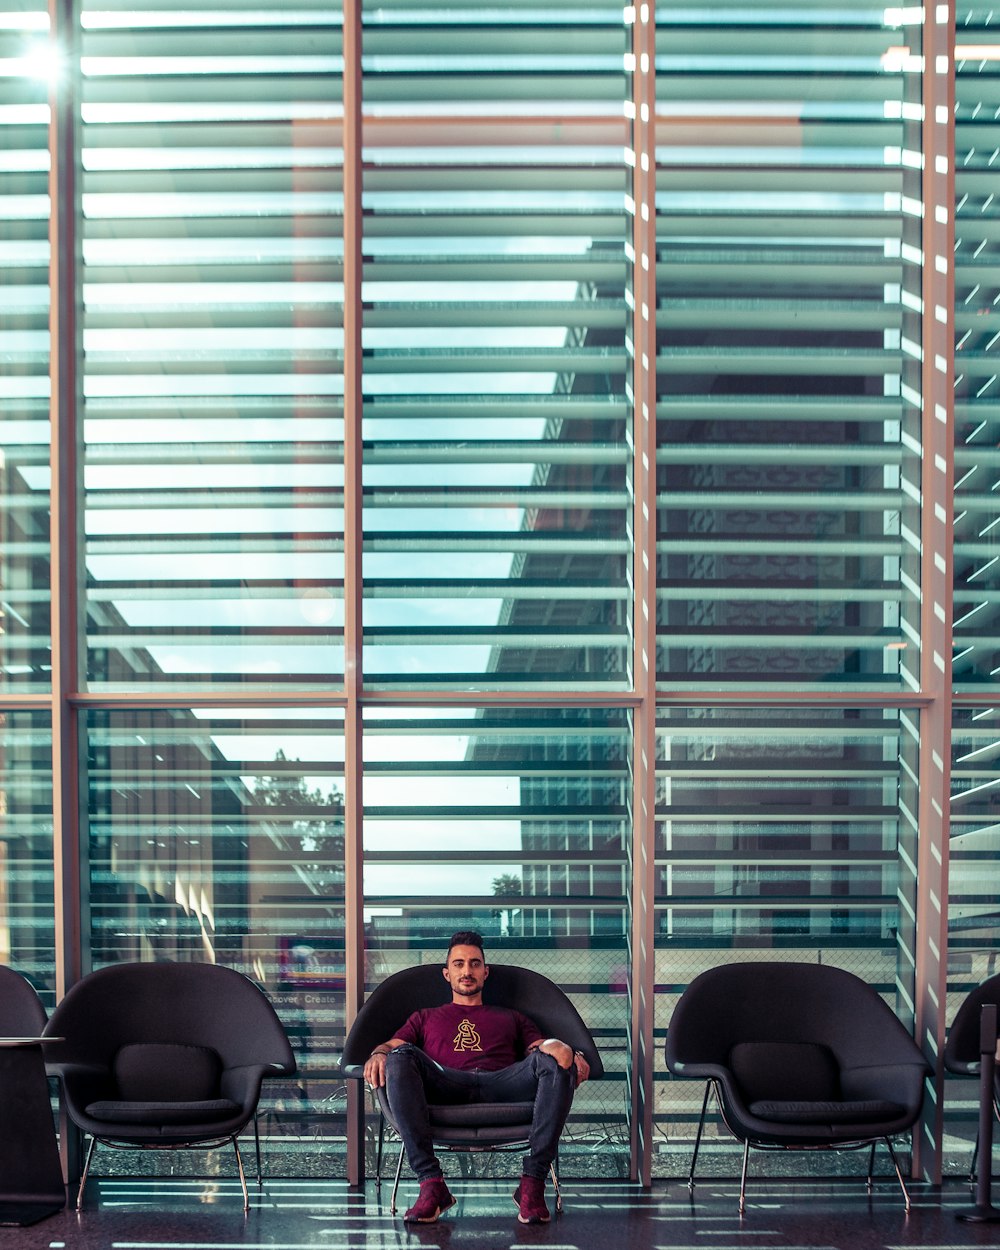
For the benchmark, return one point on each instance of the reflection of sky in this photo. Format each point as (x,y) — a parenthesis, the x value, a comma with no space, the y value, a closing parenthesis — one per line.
(387,834)
(116,512)
(437,880)
(292,655)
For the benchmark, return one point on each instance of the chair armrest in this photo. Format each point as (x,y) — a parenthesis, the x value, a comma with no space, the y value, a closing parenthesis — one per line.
(699,1071)
(962,1067)
(242,1084)
(84,1083)
(902,1082)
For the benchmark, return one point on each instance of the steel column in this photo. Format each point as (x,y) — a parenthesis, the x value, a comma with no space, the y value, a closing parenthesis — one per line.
(65,411)
(65,498)
(937,532)
(642,381)
(354,953)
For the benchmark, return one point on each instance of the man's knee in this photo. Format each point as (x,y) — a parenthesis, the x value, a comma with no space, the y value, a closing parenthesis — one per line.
(560,1054)
(548,1066)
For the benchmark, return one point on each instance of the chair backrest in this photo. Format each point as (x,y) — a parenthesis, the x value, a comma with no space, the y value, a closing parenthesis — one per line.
(775,1001)
(961,1051)
(507,985)
(183,1003)
(22,1013)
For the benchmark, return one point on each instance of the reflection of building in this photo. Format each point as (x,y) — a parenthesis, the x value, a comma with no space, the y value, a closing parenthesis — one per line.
(195,853)
(780,564)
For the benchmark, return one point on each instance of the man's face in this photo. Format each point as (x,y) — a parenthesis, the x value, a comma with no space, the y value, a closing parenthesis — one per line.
(466,971)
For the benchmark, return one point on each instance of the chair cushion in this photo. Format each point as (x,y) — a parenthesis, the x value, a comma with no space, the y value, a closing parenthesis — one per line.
(152,1113)
(158,1072)
(867,1111)
(785,1072)
(479,1114)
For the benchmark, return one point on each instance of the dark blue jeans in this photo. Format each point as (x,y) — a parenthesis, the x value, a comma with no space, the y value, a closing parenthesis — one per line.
(413,1079)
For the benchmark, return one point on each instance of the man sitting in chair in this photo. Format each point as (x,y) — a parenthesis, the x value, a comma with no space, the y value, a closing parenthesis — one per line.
(465,1052)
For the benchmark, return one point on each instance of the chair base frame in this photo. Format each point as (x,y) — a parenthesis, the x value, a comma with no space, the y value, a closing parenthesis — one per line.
(212,1144)
(869,1143)
(450,1149)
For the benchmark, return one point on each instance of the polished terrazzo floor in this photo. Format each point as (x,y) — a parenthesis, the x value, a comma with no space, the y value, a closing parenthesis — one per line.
(306,1215)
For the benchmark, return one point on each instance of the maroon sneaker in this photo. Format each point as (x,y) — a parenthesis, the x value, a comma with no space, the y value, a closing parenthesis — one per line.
(434,1198)
(530,1199)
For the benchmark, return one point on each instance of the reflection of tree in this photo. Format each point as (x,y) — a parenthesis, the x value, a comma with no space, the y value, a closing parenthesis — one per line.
(506,886)
(297,808)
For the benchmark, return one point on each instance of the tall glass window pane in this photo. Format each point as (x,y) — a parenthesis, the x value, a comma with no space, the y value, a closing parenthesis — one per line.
(974,891)
(779,271)
(28,66)
(218,836)
(213,256)
(977,360)
(776,838)
(495,419)
(27,918)
(512,822)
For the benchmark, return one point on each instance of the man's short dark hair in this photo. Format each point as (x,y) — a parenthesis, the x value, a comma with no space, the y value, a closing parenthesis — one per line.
(465,937)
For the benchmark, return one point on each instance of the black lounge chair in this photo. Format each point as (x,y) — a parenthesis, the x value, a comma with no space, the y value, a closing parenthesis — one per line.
(479,1126)
(166,1056)
(962,1052)
(801,1057)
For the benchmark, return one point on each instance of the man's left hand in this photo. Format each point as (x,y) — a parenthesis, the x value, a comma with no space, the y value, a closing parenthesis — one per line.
(565,1057)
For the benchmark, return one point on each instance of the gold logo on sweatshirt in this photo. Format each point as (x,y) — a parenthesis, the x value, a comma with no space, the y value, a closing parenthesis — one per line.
(467,1038)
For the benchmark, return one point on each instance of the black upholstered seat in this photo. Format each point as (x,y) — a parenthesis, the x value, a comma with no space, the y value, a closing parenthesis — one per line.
(165,1055)
(801,1056)
(476,1126)
(962,1051)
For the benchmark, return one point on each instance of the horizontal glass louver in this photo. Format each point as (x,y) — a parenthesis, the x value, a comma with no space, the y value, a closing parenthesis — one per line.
(779,348)
(213,337)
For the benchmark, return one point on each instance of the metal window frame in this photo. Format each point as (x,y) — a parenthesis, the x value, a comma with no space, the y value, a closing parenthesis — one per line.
(68,699)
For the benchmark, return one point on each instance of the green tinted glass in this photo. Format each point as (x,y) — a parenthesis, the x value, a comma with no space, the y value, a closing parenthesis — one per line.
(977,322)
(512,822)
(219,835)
(777,837)
(496,458)
(212,199)
(780,180)
(27,916)
(29,66)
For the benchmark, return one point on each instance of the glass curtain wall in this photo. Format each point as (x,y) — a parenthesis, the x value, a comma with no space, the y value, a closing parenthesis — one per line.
(212,451)
(497,525)
(495,504)
(975,808)
(781,430)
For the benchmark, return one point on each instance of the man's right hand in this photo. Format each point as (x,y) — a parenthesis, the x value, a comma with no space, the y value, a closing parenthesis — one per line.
(375,1069)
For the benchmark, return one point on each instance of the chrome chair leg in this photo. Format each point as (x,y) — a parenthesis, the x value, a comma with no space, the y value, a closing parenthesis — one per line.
(555,1184)
(379,1148)
(85,1173)
(870,1181)
(243,1179)
(899,1174)
(743,1176)
(395,1180)
(256,1146)
(697,1136)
